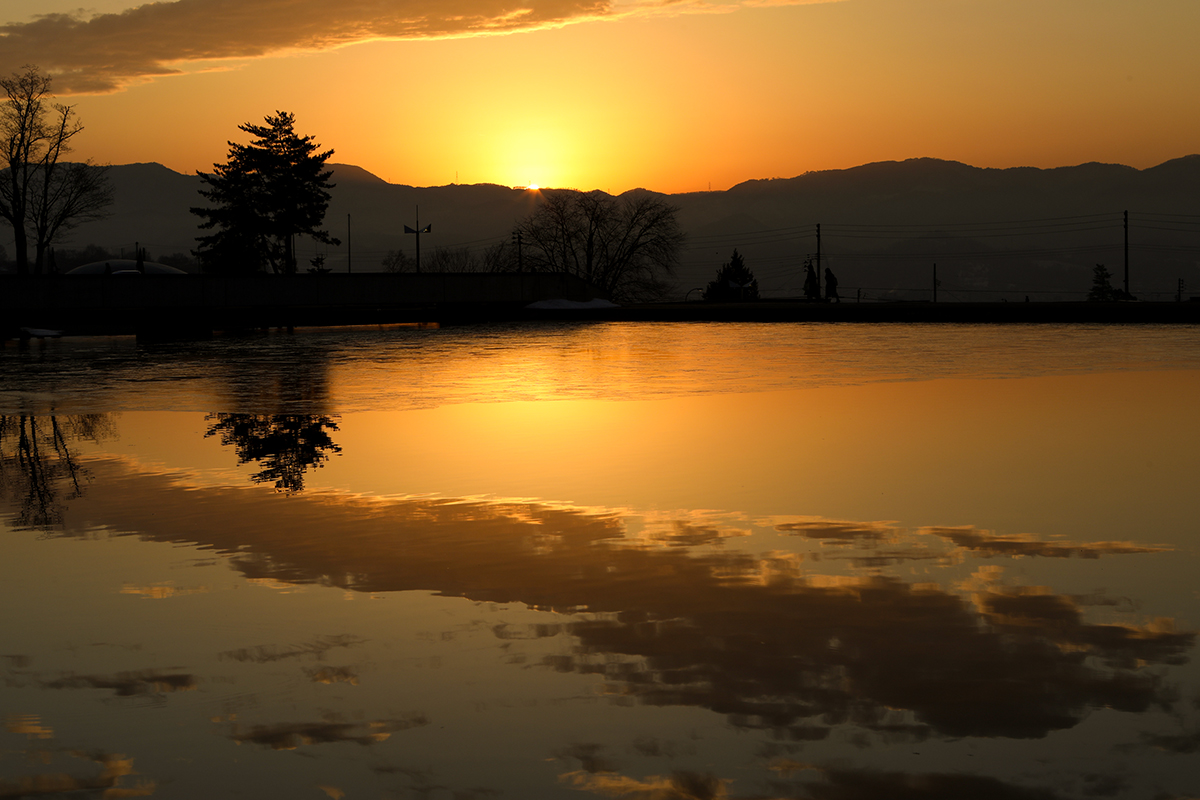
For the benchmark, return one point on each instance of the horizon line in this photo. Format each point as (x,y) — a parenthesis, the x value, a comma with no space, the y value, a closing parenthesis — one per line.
(540,188)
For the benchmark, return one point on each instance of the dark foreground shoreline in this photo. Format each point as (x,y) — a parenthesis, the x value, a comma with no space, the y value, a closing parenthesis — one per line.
(198,305)
(915,312)
(167,325)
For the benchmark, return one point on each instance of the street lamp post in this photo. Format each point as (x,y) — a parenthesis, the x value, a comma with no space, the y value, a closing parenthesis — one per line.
(418,231)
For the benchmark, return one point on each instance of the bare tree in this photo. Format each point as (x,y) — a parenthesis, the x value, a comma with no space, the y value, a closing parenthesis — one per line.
(41,195)
(626,247)
(397,261)
(499,257)
(452,259)
(69,194)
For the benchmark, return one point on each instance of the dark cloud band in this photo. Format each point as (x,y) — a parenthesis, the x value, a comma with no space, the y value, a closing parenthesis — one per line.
(107,52)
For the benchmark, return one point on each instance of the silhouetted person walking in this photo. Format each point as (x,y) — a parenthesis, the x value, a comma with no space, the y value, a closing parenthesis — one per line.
(831,286)
(811,290)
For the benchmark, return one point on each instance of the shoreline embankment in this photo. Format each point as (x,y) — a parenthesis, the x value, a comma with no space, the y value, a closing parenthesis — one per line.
(173,305)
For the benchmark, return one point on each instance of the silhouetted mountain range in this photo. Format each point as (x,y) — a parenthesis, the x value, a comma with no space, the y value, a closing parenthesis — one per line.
(992,232)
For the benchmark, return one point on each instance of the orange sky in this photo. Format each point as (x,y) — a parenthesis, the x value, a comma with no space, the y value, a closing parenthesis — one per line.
(674,96)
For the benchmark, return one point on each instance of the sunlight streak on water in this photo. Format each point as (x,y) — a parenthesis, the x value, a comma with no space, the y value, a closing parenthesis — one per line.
(322,370)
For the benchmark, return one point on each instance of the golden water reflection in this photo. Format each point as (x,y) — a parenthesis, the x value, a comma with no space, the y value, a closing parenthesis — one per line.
(772,642)
(114,778)
(964,588)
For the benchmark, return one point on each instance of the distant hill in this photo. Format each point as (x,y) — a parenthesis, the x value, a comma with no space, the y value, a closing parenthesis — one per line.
(992,232)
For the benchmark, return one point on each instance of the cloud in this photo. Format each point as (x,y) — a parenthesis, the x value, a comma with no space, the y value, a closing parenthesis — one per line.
(843,784)
(590,757)
(685,533)
(794,654)
(110,782)
(160,591)
(331,675)
(1182,743)
(128,684)
(289,736)
(839,531)
(991,544)
(679,786)
(107,52)
(28,724)
(766,644)
(265,654)
(828,784)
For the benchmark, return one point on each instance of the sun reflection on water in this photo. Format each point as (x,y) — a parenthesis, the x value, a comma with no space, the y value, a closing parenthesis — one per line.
(607,567)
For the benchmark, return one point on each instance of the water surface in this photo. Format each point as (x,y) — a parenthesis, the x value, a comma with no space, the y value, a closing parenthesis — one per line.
(815,561)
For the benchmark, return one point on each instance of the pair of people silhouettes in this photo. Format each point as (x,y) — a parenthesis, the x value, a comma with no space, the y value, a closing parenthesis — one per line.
(812,289)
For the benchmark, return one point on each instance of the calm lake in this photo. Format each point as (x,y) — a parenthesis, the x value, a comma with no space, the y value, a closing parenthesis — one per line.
(641,561)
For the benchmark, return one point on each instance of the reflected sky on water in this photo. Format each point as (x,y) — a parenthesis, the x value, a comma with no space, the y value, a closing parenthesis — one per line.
(403,367)
(642,561)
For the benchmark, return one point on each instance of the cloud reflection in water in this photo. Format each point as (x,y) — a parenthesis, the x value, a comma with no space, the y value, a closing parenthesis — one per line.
(769,642)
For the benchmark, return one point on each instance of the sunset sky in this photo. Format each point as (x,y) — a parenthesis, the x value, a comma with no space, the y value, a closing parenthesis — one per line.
(592,94)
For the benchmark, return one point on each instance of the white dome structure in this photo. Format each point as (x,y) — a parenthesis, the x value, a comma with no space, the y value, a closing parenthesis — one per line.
(114,265)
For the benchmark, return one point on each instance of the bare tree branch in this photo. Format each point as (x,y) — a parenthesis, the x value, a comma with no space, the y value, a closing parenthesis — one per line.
(626,247)
(41,195)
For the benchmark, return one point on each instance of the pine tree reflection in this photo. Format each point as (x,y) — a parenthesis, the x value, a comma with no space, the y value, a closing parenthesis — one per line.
(285,445)
(39,471)
(272,373)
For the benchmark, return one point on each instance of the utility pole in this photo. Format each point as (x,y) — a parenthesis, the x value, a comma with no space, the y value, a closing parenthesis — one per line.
(349,248)
(418,231)
(818,270)
(517,240)
(935,283)
(1128,296)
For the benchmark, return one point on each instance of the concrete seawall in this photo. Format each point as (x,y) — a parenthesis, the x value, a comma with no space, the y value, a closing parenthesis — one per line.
(199,304)
(134,303)
(915,312)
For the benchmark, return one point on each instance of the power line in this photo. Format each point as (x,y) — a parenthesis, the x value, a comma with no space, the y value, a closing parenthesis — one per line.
(1028,253)
(981,224)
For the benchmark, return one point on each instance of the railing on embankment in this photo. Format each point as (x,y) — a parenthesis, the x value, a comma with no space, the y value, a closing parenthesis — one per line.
(135,303)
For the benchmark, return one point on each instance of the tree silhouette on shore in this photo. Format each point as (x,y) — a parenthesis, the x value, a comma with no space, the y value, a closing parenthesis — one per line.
(42,195)
(626,247)
(734,282)
(266,194)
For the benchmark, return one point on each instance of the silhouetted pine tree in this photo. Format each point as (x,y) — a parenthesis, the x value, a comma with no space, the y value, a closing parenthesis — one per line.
(734,282)
(1102,290)
(269,191)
